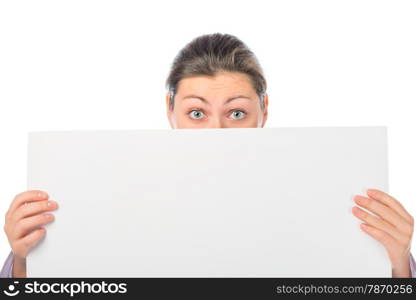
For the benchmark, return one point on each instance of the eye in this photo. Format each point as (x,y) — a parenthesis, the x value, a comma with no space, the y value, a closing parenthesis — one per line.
(196,114)
(238,114)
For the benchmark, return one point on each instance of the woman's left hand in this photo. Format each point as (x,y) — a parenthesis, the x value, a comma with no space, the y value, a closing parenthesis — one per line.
(392,226)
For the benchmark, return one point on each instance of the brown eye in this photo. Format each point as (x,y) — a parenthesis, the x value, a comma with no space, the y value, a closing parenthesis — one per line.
(238,114)
(196,114)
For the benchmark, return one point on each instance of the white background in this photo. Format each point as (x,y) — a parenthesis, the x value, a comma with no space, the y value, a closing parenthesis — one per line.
(102,65)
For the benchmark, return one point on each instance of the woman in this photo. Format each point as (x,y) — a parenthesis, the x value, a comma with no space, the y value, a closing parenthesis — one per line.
(216,82)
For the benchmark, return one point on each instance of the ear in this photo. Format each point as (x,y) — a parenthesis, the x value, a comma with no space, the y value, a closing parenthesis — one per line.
(169,111)
(167,100)
(266,109)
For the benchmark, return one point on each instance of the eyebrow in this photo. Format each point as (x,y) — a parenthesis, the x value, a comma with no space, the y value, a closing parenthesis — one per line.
(226,101)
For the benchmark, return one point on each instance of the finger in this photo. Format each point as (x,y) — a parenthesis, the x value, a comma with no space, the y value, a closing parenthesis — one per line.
(391,202)
(34,208)
(31,239)
(26,225)
(28,196)
(381,210)
(379,224)
(383,237)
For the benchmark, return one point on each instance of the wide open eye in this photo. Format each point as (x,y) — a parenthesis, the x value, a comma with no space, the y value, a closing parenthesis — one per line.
(196,114)
(238,114)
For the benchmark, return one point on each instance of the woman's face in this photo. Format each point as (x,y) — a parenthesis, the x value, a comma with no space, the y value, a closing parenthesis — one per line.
(225,100)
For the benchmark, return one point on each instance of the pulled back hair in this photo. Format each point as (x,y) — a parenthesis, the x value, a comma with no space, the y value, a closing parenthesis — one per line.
(212,53)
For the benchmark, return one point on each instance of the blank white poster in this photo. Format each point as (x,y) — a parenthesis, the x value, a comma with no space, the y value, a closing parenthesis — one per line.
(234,202)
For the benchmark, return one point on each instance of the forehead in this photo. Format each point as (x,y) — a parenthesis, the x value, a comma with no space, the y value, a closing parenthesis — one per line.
(222,84)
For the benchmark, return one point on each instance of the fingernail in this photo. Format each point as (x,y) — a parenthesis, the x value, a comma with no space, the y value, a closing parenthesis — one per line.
(372,191)
(42,195)
(51,203)
(359,200)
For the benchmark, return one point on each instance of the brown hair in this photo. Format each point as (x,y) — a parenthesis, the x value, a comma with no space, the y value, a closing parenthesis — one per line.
(211,53)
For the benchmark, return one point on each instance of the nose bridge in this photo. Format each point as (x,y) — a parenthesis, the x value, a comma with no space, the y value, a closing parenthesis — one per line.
(216,122)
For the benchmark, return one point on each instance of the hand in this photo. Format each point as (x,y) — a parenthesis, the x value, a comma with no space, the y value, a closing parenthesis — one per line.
(392,226)
(23,224)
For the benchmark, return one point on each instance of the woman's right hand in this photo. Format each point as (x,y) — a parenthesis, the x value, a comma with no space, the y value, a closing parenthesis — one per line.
(27,213)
